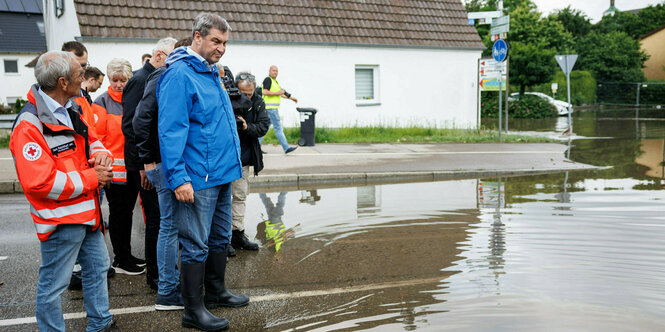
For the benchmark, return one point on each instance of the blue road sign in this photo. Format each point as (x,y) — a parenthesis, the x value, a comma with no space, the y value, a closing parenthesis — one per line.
(500,50)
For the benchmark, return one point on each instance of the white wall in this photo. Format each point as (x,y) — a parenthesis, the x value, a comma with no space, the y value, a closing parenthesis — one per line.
(420,87)
(60,29)
(16,85)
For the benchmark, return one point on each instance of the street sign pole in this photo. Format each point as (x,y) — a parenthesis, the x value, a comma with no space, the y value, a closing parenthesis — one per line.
(566,62)
(507,88)
(500,52)
(500,104)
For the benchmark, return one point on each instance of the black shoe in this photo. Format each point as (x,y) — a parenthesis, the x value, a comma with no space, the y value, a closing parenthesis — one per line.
(239,240)
(263,152)
(216,294)
(127,268)
(137,261)
(195,314)
(110,327)
(172,301)
(291,149)
(231,252)
(110,273)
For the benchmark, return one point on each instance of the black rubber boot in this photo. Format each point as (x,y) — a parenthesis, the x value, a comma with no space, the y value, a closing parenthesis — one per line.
(195,314)
(216,293)
(152,273)
(239,240)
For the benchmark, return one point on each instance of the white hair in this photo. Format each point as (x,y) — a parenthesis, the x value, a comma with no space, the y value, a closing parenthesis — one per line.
(165,45)
(51,66)
(119,67)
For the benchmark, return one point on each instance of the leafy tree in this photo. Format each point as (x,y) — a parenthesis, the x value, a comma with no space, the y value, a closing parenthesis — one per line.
(652,18)
(626,22)
(573,20)
(531,64)
(613,56)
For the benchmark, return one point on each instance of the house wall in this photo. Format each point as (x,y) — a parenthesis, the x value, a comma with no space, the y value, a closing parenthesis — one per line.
(423,87)
(16,85)
(653,45)
(60,29)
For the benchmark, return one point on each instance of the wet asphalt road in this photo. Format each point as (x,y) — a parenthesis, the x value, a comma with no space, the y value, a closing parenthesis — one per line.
(314,276)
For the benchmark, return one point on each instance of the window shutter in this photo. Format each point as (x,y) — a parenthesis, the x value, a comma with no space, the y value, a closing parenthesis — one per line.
(364,83)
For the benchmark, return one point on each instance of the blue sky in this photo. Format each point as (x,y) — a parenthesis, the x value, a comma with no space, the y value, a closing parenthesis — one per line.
(592,8)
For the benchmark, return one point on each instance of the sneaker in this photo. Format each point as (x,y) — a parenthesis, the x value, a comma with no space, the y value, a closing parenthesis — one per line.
(291,149)
(172,301)
(137,261)
(127,268)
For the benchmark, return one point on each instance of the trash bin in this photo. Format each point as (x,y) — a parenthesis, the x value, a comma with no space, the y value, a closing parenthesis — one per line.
(307,127)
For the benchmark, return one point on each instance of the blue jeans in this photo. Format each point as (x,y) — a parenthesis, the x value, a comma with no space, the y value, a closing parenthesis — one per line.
(205,225)
(273,113)
(167,242)
(59,253)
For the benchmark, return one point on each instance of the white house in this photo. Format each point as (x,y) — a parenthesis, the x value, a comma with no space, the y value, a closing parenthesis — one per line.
(394,63)
(21,40)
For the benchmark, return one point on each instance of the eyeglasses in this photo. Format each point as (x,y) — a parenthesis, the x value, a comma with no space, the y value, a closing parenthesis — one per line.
(246,77)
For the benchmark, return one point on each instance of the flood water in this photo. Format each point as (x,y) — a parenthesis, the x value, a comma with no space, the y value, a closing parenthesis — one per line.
(568,251)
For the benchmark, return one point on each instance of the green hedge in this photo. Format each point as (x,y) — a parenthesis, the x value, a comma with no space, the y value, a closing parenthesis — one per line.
(528,107)
(582,87)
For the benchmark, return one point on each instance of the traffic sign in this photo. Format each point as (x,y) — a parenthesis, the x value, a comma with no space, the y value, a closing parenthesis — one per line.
(487,15)
(500,25)
(488,75)
(566,62)
(500,50)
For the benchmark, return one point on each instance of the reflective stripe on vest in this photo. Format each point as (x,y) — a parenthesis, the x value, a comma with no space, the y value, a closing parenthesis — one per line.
(273,101)
(64,211)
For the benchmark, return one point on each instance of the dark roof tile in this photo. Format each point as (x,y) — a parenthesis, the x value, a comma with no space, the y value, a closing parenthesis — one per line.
(436,23)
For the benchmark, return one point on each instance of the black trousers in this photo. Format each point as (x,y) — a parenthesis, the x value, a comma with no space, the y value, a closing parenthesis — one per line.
(122,199)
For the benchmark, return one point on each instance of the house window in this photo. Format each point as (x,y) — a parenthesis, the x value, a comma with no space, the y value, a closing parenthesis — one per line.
(11,66)
(367,85)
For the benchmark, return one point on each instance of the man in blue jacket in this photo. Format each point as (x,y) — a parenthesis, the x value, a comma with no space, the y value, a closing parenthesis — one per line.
(200,153)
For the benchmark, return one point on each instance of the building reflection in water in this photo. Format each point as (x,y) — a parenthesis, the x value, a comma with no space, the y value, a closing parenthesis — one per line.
(368,202)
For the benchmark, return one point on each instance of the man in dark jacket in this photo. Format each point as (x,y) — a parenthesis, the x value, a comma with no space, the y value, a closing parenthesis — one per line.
(131,95)
(254,123)
(147,144)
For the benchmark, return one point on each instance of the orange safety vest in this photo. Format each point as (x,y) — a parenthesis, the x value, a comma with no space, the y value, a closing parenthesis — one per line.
(51,162)
(86,112)
(107,110)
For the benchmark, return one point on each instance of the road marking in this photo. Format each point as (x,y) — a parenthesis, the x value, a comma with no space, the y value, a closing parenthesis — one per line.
(409,153)
(270,297)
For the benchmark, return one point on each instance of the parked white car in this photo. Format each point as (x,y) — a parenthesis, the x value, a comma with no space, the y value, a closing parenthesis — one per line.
(561,106)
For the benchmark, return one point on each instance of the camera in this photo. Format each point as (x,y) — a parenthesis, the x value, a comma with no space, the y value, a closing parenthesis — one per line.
(239,101)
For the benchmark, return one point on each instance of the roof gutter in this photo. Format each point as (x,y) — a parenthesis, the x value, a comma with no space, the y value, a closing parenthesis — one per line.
(84,39)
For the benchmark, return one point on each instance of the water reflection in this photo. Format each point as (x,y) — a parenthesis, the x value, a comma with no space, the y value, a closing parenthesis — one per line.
(567,251)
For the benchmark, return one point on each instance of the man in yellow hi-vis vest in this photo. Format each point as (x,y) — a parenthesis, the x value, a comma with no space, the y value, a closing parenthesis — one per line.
(272,94)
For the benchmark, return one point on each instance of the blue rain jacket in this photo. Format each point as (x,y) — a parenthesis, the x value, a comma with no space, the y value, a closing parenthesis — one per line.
(196,126)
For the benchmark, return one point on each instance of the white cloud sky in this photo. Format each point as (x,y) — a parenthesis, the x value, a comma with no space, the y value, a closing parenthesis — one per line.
(592,8)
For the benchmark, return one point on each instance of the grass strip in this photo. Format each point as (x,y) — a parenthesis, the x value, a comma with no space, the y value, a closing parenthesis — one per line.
(403,135)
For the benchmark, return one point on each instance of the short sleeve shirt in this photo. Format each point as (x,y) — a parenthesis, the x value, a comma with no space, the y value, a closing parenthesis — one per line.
(267,83)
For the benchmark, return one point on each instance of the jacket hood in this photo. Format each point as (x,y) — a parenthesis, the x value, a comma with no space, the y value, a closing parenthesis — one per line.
(181,54)
(177,54)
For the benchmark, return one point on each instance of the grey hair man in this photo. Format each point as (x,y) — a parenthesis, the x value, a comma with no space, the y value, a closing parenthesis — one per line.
(131,96)
(200,152)
(60,165)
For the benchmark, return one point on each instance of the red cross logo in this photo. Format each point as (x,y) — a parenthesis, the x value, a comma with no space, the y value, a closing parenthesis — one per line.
(32,151)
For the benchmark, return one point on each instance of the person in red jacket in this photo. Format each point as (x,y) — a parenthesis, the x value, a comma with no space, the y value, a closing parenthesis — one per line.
(122,193)
(61,164)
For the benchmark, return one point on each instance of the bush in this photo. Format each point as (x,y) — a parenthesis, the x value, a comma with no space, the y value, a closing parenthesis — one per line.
(527,107)
(582,87)
(18,105)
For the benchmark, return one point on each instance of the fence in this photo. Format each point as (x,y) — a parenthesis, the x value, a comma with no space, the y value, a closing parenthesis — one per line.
(631,94)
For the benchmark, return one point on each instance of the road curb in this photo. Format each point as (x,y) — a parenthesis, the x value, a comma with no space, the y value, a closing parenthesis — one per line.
(341,179)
